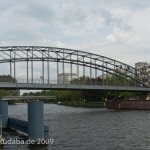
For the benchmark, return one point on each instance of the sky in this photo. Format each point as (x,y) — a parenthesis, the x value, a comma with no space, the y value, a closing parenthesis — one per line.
(119,29)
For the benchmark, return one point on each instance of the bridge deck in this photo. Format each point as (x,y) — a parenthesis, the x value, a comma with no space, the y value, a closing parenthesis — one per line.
(10,85)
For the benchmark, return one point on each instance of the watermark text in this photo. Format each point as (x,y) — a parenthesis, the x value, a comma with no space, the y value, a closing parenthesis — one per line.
(29,141)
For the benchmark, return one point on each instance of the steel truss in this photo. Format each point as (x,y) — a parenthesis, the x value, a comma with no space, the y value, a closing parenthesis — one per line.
(77,58)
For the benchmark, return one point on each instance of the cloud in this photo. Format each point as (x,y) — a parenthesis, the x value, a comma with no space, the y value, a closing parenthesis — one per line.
(110,28)
(121,36)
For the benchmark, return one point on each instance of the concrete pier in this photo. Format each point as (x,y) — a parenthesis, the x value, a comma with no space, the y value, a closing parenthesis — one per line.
(35,120)
(4,113)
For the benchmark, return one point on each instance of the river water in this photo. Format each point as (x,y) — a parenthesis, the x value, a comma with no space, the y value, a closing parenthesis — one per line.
(89,128)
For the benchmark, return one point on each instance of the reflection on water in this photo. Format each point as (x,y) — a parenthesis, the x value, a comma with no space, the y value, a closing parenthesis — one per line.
(89,128)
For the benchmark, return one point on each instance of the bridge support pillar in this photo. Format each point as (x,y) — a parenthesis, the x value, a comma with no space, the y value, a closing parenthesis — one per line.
(35,120)
(4,113)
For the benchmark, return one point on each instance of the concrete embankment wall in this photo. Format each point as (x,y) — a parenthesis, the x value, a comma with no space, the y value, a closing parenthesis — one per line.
(128,104)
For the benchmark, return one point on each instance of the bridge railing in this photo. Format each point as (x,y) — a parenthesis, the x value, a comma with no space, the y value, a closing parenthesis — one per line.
(106,82)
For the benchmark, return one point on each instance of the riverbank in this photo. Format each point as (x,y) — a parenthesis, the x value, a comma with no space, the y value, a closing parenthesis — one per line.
(129,104)
(83,104)
(74,104)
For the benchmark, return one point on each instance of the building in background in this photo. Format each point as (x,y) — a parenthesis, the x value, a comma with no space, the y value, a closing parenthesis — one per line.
(144,71)
(140,65)
(65,78)
(105,76)
(143,67)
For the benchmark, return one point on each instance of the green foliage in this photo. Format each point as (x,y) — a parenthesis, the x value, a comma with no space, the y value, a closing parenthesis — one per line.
(67,95)
(88,95)
(81,80)
(7,78)
(4,92)
(42,93)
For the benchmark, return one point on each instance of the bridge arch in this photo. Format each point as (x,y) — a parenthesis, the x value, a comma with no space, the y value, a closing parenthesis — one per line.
(63,60)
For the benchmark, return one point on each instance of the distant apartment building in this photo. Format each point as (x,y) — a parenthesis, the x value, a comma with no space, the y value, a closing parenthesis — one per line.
(144,71)
(143,67)
(65,78)
(140,65)
(105,76)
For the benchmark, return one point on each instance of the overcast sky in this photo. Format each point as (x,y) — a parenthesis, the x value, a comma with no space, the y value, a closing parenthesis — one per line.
(119,29)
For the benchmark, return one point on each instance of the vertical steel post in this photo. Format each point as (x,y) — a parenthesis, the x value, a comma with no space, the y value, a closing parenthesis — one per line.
(14,65)
(27,68)
(83,67)
(126,72)
(71,67)
(57,70)
(103,72)
(124,76)
(77,67)
(48,67)
(10,64)
(95,72)
(63,68)
(135,77)
(42,67)
(114,77)
(106,74)
(4,113)
(35,120)
(32,67)
(90,69)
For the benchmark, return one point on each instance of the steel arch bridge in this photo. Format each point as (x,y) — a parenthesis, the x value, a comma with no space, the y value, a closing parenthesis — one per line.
(36,67)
